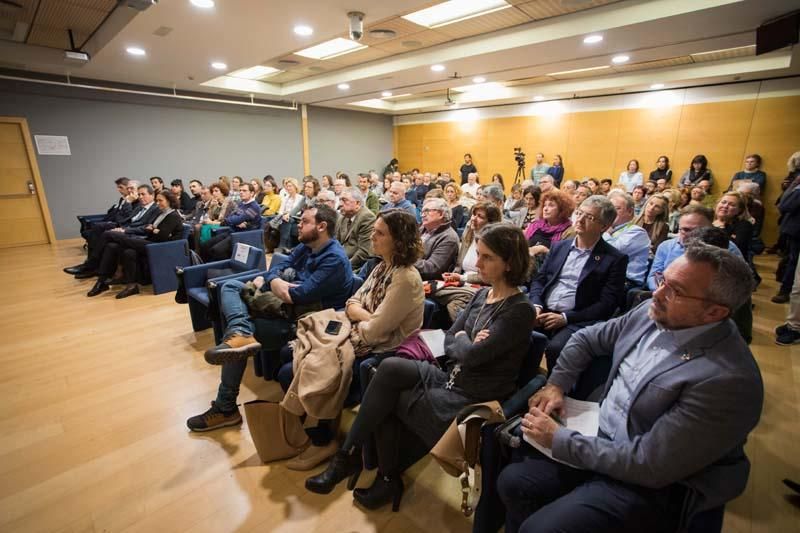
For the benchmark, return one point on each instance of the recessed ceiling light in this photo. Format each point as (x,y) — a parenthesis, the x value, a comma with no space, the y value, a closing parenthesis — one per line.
(135,51)
(205,4)
(618,60)
(343,86)
(219,65)
(454,11)
(303,30)
(538,98)
(592,39)
(657,86)
(437,68)
(386,94)
(253,73)
(478,79)
(330,49)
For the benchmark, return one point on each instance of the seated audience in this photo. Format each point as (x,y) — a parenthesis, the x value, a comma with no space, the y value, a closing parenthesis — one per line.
(582,280)
(408,405)
(531,210)
(629,238)
(354,229)
(631,177)
(200,208)
(439,240)
(382,313)
(470,188)
(557,170)
(662,171)
(752,172)
(671,438)
(458,213)
(219,207)
(554,224)
(396,194)
(246,216)
(698,171)
(514,202)
(125,247)
(654,220)
(259,194)
(319,274)
(494,194)
(569,186)
(233,193)
(547,183)
(118,213)
(605,186)
(593,184)
(370,198)
(291,210)
(271,201)
(731,215)
(157,185)
(639,198)
(497,179)
(195,187)
(661,185)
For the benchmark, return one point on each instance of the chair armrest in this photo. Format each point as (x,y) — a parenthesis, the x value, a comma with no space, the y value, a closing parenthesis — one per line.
(244,277)
(197,275)
(518,402)
(162,259)
(220,230)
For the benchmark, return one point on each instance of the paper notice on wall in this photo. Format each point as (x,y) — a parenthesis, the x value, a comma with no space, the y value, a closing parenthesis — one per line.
(52,144)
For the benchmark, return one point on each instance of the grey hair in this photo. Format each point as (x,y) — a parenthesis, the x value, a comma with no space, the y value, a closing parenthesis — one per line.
(326,195)
(749,187)
(625,196)
(607,210)
(794,162)
(732,284)
(439,204)
(354,193)
(134,183)
(494,192)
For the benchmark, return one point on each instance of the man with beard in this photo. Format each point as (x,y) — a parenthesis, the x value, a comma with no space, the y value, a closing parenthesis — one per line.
(317,272)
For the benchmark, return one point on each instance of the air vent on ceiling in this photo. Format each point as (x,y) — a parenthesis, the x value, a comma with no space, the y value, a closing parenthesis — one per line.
(380,33)
(162,31)
(289,62)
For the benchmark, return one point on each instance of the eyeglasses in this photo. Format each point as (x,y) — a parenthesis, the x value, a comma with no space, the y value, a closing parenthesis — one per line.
(428,210)
(580,213)
(670,294)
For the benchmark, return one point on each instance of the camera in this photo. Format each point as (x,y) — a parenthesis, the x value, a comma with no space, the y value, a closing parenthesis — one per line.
(356,25)
(519,156)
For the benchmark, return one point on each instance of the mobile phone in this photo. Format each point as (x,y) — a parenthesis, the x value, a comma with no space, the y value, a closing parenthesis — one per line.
(333,328)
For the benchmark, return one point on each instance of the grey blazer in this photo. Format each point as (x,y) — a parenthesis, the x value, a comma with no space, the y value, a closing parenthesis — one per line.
(689,416)
(357,240)
(441,250)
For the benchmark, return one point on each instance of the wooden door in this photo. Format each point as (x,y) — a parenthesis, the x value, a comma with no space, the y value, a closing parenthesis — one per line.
(24,217)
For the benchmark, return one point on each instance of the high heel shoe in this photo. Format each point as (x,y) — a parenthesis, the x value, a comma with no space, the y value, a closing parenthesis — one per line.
(385,489)
(343,465)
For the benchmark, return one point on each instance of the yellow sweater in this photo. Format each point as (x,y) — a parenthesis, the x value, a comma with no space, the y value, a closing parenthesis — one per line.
(272,203)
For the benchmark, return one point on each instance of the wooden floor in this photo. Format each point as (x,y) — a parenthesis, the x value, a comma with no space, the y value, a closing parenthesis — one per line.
(94,394)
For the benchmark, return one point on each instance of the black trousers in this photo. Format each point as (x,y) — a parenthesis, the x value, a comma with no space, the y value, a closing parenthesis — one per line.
(216,248)
(558,339)
(397,446)
(122,249)
(96,242)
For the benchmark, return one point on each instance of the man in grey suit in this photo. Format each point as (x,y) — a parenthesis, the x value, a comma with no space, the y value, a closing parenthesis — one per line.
(354,230)
(439,240)
(683,394)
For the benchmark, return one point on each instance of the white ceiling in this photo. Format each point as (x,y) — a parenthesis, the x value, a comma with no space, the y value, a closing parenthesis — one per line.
(662,38)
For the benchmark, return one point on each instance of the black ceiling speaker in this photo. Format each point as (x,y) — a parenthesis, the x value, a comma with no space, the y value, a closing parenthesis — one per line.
(777,33)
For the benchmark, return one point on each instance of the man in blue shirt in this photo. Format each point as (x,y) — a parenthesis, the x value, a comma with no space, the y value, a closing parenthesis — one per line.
(246,216)
(628,238)
(397,199)
(320,272)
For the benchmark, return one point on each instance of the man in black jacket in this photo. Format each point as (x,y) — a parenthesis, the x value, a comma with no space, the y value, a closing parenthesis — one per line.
(185,201)
(582,281)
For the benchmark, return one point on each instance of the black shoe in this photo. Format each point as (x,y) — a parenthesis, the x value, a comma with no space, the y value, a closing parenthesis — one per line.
(783,328)
(75,269)
(385,489)
(99,286)
(788,337)
(343,465)
(794,485)
(130,290)
(780,298)
(117,281)
(214,418)
(86,274)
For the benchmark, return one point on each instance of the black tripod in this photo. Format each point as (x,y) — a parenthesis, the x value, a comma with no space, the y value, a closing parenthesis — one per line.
(520,175)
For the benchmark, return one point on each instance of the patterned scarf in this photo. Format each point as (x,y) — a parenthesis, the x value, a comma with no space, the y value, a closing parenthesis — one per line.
(553,232)
(372,294)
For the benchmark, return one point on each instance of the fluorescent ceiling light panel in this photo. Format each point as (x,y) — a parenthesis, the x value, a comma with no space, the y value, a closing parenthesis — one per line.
(205,4)
(724,50)
(343,86)
(577,70)
(219,65)
(618,60)
(135,51)
(479,79)
(592,39)
(254,73)
(386,94)
(303,30)
(398,96)
(329,49)
(657,86)
(374,103)
(454,11)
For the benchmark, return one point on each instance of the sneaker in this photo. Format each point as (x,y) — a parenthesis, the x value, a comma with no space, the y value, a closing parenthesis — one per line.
(214,418)
(780,298)
(234,348)
(312,457)
(788,337)
(783,328)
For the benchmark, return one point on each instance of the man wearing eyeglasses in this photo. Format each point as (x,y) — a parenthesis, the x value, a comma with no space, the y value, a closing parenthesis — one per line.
(682,396)
(582,280)
(439,240)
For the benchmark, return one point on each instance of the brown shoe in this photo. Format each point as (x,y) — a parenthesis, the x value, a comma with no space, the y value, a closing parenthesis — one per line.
(780,298)
(312,457)
(214,418)
(234,348)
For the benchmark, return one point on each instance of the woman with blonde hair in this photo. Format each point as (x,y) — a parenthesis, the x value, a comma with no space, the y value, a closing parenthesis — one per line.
(452,194)
(674,198)
(654,218)
(731,215)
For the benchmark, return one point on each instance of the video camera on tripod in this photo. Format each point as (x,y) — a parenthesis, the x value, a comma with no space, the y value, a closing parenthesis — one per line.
(519,157)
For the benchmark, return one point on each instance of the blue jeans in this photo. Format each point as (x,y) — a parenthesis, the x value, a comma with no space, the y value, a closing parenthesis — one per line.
(237,320)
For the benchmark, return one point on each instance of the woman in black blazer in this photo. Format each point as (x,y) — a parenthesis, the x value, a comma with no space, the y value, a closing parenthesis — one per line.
(168,226)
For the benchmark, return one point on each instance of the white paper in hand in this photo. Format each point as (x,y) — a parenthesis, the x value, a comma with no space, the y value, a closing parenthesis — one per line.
(434,339)
(583,417)
(242,253)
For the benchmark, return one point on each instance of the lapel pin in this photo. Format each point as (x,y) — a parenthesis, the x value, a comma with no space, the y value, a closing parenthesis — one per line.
(597,258)
(686,356)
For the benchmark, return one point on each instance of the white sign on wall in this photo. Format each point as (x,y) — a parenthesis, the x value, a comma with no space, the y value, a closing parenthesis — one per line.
(52,145)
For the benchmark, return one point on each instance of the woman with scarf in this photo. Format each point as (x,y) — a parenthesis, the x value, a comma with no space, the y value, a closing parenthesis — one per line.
(698,171)
(554,225)
(383,312)
(126,246)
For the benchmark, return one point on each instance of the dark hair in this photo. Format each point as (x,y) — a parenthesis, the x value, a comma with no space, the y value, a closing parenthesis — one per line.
(510,244)
(146,187)
(666,160)
(177,183)
(393,162)
(607,180)
(170,197)
(703,163)
(594,180)
(249,186)
(468,155)
(121,181)
(405,234)
(499,178)
(709,235)
(314,183)
(157,179)
(535,191)
(344,177)
(200,183)
(222,186)
(325,214)
(756,157)
(269,179)
(237,178)
(633,161)
(695,209)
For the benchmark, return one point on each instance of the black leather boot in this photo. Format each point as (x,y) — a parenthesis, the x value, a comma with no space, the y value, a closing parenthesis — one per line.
(385,489)
(343,465)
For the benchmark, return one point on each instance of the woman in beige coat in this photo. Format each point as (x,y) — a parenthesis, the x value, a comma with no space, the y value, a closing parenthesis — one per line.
(382,313)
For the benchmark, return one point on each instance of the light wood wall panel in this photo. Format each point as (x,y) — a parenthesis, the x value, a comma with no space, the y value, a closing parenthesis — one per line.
(600,143)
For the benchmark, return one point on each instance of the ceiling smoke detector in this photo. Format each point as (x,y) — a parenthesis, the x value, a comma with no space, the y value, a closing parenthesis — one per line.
(380,33)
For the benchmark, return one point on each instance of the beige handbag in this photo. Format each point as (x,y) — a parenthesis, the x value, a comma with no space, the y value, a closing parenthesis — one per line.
(276,433)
